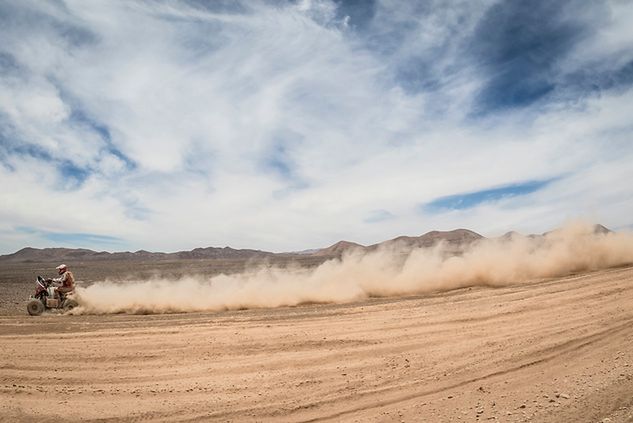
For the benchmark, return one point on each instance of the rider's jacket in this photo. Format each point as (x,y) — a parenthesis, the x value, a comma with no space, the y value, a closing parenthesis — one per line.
(66,279)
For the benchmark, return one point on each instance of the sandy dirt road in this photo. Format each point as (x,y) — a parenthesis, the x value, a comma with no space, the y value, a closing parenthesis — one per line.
(553,351)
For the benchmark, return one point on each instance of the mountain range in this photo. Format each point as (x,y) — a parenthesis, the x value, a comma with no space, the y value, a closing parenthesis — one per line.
(456,239)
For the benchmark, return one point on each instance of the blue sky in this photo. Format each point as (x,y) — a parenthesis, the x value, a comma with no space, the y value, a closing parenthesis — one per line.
(288,125)
(492,195)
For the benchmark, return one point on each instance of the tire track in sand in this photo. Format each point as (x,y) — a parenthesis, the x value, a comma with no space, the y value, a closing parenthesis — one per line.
(379,360)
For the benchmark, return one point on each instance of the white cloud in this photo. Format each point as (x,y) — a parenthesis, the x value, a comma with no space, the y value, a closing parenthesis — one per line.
(279,128)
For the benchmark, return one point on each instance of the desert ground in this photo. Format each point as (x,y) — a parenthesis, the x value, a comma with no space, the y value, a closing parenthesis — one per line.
(557,350)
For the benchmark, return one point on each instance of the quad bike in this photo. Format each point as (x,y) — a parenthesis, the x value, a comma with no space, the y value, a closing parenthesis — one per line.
(47,298)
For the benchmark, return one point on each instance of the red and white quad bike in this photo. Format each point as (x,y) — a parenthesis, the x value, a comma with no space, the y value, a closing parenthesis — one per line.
(46,297)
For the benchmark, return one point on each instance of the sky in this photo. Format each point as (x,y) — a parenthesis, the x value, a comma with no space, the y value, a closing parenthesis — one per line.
(291,125)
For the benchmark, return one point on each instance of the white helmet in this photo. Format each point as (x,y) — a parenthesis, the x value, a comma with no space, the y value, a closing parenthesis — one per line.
(61,267)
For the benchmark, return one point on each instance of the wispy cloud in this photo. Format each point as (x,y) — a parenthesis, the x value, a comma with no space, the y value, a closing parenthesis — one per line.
(81,239)
(291,124)
(73,240)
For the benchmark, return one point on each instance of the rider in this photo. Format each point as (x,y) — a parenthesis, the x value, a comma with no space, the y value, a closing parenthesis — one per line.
(66,280)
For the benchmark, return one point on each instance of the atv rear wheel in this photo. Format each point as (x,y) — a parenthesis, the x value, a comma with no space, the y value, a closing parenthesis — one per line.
(69,304)
(35,307)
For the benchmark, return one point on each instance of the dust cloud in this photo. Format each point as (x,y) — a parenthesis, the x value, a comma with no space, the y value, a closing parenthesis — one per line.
(380,273)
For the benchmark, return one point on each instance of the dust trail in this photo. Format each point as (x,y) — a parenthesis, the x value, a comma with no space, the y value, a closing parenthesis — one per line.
(359,275)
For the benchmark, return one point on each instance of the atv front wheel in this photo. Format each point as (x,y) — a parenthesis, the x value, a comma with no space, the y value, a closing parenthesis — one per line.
(35,307)
(69,304)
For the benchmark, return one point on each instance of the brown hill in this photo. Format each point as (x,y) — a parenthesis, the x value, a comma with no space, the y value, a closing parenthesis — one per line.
(48,254)
(509,236)
(339,248)
(457,237)
(29,254)
(597,229)
(221,253)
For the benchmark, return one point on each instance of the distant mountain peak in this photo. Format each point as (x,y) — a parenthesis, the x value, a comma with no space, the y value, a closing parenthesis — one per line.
(339,248)
(600,229)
